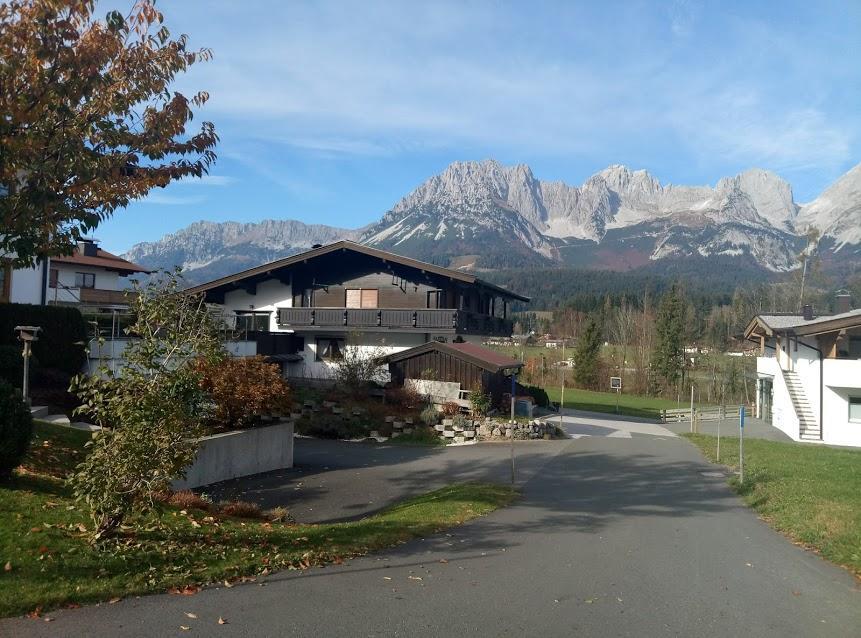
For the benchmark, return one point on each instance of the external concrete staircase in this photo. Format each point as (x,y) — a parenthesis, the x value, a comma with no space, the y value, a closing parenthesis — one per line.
(809,428)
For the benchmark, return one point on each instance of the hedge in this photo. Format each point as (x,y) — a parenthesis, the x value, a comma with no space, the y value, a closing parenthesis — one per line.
(61,343)
(16,429)
(539,395)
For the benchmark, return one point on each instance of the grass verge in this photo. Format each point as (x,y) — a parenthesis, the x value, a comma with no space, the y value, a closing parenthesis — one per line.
(811,493)
(50,561)
(629,404)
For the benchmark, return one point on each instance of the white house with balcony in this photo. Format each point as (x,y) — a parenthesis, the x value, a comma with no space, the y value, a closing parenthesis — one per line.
(89,278)
(809,373)
(304,310)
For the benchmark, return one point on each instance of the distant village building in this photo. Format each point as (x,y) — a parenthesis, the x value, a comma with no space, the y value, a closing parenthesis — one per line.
(809,373)
(89,278)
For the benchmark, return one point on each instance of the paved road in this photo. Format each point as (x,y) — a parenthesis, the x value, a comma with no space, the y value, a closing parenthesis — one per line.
(613,536)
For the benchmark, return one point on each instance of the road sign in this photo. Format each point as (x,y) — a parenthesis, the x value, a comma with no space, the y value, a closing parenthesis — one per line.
(615,383)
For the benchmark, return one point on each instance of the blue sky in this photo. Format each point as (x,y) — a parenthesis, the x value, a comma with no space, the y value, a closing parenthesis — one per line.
(329,112)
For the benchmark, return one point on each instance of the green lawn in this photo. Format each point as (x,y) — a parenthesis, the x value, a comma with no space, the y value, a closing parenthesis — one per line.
(629,404)
(811,493)
(50,561)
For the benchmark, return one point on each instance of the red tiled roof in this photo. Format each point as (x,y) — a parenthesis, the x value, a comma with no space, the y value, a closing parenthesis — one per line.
(102,259)
(485,354)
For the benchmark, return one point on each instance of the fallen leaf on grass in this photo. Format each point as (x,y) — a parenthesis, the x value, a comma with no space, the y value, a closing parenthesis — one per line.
(7,567)
(228,584)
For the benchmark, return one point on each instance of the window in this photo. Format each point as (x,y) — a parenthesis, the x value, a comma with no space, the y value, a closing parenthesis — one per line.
(5,280)
(53,278)
(329,349)
(85,280)
(362,298)
(855,409)
(251,321)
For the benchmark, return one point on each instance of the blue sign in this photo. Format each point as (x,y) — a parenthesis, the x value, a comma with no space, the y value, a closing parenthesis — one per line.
(741,417)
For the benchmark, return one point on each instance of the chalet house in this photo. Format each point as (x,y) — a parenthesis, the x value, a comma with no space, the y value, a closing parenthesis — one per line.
(88,278)
(304,310)
(809,373)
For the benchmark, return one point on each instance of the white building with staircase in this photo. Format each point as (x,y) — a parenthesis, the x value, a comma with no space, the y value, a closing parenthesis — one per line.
(809,373)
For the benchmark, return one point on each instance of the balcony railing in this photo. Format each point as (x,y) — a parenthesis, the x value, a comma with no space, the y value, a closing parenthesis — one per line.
(430,320)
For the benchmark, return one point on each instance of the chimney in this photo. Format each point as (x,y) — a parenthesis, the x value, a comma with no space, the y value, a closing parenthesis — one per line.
(807,312)
(88,247)
(842,302)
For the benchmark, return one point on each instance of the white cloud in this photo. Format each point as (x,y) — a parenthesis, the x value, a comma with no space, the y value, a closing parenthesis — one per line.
(163,199)
(376,79)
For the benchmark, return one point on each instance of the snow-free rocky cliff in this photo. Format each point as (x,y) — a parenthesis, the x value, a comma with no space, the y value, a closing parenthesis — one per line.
(485,215)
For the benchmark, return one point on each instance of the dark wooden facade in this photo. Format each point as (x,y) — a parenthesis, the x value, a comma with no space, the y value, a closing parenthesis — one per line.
(395,293)
(438,362)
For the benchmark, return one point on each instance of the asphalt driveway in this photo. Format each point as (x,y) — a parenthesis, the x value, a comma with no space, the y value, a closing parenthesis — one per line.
(627,534)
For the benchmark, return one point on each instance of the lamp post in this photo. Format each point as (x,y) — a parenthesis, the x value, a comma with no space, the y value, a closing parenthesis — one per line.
(27,335)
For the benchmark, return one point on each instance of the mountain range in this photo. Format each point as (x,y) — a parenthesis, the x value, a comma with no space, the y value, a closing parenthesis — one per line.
(484,216)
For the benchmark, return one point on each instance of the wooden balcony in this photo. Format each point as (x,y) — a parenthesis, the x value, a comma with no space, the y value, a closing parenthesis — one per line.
(440,321)
(99,297)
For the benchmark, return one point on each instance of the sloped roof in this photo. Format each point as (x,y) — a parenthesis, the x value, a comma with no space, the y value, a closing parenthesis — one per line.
(359,248)
(798,325)
(102,259)
(484,358)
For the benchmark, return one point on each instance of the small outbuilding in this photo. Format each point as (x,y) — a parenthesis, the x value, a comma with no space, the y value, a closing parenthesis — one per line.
(450,371)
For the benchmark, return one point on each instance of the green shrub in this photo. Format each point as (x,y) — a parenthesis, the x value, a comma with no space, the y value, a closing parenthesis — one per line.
(539,395)
(429,416)
(480,402)
(151,408)
(421,435)
(16,428)
(63,337)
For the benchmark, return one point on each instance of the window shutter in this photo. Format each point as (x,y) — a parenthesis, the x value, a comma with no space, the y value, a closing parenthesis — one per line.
(370,298)
(354,298)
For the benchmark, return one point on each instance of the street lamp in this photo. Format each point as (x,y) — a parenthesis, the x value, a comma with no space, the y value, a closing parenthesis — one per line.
(27,334)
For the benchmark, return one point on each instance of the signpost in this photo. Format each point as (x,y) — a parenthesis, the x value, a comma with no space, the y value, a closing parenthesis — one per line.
(562,369)
(741,444)
(616,384)
(511,442)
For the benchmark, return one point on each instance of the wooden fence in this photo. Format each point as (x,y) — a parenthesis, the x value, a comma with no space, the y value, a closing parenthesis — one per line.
(708,413)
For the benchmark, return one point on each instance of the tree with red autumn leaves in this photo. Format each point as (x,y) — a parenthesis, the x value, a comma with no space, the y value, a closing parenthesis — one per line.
(89,122)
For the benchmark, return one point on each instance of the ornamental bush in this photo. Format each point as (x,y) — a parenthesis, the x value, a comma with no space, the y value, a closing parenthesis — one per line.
(151,408)
(450,408)
(16,429)
(480,402)
(430,416)
(242,390)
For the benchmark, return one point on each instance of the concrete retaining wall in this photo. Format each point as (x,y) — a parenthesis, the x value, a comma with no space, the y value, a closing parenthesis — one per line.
(240,453)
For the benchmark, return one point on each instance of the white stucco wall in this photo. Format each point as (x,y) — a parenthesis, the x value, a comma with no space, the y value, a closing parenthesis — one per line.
(27,285)
(841,380)
(271,295)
